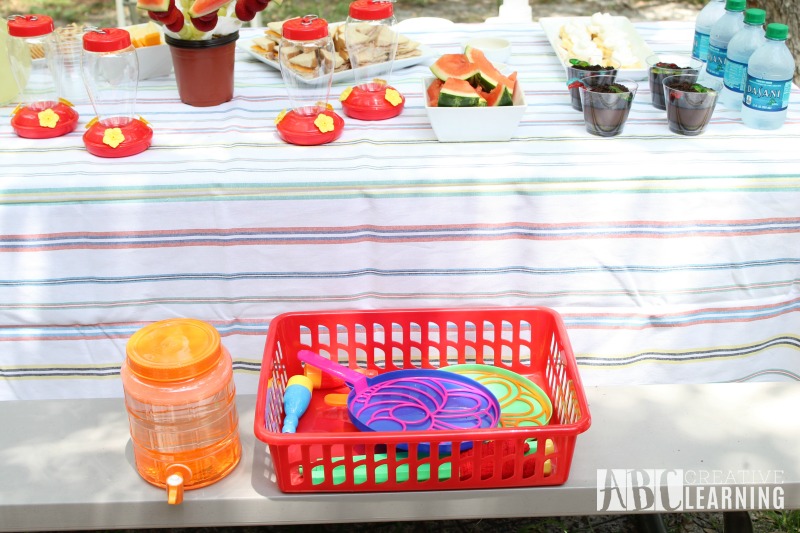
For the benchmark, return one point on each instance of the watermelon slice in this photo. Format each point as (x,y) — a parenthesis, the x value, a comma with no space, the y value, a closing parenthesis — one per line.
(500,95)
(459,93)
(155,6)
(487,76)
(455,66)
(433,92)
(204,7)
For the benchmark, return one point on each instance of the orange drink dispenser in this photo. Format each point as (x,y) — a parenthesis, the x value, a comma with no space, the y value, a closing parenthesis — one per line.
(307,60)
(180,398)
(36,64)
(371,47)
(111,75)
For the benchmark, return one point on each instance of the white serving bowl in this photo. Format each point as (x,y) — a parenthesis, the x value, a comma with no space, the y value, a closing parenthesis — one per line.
(470,124)
(154,61)
(495,49)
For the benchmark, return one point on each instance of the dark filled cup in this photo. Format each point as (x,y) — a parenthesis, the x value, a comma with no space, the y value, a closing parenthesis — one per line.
(606,104)
(690,104)
(576,74)
(661,66)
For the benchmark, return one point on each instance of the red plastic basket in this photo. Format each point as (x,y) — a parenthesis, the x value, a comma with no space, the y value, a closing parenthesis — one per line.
(328,454)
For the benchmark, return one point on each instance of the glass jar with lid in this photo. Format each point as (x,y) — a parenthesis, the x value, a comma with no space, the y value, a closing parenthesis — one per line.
(180,397)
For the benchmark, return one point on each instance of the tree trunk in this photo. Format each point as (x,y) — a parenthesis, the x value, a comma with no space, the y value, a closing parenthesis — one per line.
(786,12)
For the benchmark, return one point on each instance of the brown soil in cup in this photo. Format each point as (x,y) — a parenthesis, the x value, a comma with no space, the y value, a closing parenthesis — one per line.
(609,88)
(687,87)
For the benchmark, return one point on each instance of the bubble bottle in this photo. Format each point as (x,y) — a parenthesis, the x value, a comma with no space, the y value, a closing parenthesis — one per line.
(35,59)
(371,47)
(111,75)
(702,29)
(769,82)
(307,63)
(741,47)
(180,397)
(721,33)
(8,85)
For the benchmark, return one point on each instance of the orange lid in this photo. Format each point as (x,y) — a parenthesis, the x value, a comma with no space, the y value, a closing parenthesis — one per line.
(173,350)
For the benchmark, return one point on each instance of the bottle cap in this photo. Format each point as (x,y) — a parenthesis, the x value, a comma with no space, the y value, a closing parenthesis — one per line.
(106,40)
(30,25)
(755,16)
(173,350)
(735,5)
(371,9)
(777,32)
(307,28)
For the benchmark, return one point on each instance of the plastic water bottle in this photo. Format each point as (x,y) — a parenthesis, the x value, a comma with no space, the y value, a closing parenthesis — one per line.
(769,82)
(702,29)
(741,47)
(722,31)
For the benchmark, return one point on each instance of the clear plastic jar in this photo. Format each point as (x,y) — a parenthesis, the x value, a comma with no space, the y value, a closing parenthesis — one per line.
(308,58)
(34,57)
(371,42)
(371,48)
(180,397)
(111,74)
(307,63)
(36,64)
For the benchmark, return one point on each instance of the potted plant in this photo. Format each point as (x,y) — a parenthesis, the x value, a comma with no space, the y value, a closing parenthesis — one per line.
(201,35)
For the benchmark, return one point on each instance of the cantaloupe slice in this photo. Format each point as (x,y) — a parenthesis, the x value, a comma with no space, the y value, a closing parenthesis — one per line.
(146,34)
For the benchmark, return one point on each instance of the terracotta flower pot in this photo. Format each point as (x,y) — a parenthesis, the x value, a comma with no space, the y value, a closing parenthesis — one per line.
(204,69)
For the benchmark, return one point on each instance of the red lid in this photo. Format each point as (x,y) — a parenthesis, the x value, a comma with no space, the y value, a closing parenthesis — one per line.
(371,9)
(307,28)
(106,40)
(30,25)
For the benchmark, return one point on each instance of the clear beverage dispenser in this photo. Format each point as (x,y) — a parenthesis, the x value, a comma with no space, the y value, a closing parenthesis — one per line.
(371,47)
(180,398)
(36,64)
(307,64)
(111,75)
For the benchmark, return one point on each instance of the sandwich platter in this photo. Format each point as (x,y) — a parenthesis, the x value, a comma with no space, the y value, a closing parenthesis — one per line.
(265,49)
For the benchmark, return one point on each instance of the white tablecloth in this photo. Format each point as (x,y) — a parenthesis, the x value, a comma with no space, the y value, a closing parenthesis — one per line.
(670,258)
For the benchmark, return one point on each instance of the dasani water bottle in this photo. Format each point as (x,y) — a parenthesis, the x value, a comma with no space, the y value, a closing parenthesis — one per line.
(702,29)
(721,33)
(769,82)
(741,47)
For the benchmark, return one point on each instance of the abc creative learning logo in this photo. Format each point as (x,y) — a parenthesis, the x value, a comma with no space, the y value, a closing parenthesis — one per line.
(675,490)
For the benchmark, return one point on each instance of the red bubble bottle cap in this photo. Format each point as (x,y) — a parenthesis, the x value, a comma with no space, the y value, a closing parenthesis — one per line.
(106,40)
(30,25)
(307,28)
(371,9)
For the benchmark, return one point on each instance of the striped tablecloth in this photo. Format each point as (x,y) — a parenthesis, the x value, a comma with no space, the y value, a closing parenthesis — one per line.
(670,258)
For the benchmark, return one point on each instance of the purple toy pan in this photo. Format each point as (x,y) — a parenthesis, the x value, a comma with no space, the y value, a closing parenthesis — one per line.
(413,400)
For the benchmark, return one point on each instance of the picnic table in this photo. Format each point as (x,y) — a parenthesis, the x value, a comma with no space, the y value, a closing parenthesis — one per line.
(674,262)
